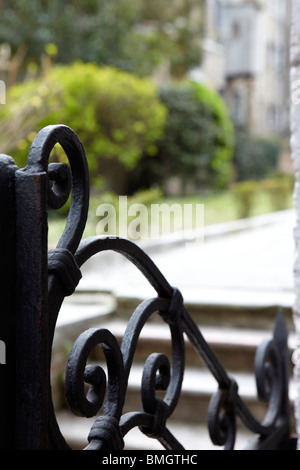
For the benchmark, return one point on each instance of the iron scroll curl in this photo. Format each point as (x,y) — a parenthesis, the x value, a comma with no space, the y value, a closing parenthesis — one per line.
(226,398)
(65,179)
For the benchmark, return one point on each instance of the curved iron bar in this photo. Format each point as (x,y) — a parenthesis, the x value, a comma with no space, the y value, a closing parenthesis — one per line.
(77,179)
(227,391)
(152,420)
(64,263)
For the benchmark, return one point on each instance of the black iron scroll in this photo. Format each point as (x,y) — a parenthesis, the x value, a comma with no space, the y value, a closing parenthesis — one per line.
(43,280)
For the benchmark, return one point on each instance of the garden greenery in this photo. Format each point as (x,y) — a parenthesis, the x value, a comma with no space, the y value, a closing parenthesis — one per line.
(115,114)
(199,135)
(255,157)
(181,130)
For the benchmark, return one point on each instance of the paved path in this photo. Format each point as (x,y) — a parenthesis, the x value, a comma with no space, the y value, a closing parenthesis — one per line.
(245,261)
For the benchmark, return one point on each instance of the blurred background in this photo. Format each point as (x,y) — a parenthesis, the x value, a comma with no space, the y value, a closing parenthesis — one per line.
(182,101)
(185,100)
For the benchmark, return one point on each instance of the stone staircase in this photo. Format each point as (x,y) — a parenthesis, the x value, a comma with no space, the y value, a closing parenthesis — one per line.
(233,332)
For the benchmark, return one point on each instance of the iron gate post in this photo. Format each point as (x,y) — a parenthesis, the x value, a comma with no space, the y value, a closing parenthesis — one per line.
(32,386)
(7,301)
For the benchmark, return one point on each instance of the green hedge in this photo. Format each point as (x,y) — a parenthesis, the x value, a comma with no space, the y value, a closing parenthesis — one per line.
(255,158)
(116,115)
(278,191)
(146,134)
(199,136)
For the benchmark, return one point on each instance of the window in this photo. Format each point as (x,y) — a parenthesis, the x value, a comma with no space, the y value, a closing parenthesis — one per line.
(237,108)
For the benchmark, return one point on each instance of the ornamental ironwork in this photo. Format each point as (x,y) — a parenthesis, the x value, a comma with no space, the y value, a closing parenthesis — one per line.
(35,284)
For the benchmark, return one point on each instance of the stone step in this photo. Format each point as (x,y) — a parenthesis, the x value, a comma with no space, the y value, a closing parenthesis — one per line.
(236,309)
(198,387)
(190,435)
(234,347)
(221,308)
(188,422)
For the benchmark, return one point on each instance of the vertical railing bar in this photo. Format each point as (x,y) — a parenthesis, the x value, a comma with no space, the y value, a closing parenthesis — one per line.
(31,315)
(7,296)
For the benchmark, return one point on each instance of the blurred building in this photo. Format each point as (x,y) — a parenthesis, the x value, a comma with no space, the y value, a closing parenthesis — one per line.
(246,58)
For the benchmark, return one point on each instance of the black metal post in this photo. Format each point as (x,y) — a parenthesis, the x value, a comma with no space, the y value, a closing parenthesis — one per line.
(7,302)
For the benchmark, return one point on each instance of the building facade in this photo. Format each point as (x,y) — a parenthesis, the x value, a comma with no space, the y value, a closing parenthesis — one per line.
(246,58)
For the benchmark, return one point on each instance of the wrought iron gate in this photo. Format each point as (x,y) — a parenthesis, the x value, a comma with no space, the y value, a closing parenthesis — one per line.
(34,285)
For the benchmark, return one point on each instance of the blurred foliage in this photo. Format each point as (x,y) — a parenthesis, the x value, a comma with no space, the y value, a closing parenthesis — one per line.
(27,104)
(178,29)
(245,192)
(133,35)
(83,29)
(279,190)
(255,157)
(116,114)
(198,142)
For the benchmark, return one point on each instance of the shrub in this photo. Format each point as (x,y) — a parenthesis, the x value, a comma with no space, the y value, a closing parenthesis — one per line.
(245,192)
(199,136)
(115,114)
(280,191)
(255,157)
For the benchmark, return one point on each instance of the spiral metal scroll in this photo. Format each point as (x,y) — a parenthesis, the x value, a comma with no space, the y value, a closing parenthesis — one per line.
(226,405)
(160,373)
(65,179)
(157,375)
